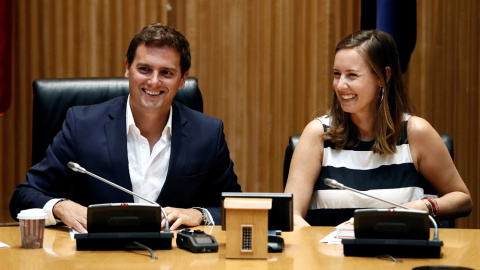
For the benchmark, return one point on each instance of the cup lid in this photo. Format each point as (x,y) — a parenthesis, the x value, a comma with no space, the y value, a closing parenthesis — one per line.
(34,213)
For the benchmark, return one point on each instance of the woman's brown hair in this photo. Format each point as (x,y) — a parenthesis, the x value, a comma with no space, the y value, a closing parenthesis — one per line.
(380,51)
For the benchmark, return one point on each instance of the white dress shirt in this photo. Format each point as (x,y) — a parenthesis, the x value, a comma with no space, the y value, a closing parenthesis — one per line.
(148,171)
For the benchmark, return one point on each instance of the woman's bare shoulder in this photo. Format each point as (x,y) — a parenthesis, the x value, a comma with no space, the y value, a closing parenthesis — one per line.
(418,127)
(315,128)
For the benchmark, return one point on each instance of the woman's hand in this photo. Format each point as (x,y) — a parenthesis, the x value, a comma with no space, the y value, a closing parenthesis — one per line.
(299,221)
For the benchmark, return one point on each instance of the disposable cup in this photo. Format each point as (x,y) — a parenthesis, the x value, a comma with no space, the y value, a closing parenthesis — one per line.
(32,227)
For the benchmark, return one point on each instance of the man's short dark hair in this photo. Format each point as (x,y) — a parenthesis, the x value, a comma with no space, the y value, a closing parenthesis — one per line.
(160,35)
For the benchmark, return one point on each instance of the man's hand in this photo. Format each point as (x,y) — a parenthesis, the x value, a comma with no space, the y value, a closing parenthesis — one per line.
(72,214)
(180,216)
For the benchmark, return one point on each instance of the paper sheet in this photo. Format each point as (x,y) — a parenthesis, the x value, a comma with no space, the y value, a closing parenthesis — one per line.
(343,230)
(332,239)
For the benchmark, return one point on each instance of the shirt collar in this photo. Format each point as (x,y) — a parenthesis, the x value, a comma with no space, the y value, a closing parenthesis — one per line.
(131,122)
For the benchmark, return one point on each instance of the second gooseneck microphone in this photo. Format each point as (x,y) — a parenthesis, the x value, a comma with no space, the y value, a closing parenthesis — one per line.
(335,184)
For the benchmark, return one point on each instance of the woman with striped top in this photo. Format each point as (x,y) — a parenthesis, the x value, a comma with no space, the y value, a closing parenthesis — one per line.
(369,140)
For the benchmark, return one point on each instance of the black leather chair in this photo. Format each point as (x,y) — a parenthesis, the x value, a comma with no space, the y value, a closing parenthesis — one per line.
(53,97)
(292,143)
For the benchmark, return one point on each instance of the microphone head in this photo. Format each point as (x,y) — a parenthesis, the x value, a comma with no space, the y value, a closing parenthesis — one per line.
(75,167)
(332,183)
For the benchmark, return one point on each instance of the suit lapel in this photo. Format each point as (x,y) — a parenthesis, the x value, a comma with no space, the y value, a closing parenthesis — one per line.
(115,131)
(178,154)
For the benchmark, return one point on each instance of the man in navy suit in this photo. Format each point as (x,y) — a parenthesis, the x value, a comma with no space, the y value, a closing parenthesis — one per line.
(145,142)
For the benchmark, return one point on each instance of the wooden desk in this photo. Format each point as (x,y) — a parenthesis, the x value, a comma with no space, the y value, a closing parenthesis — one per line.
(302,251)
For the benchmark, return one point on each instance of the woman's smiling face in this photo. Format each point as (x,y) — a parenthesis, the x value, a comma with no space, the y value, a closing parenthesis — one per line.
(356,85)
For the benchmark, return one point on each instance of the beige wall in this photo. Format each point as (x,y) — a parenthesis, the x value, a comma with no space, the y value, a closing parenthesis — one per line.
(264,67)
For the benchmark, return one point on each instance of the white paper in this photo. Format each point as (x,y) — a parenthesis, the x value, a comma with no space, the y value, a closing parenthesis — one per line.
(332,239)
(72,233)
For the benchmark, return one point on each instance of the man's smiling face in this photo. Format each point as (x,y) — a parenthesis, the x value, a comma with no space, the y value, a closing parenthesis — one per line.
(154,78)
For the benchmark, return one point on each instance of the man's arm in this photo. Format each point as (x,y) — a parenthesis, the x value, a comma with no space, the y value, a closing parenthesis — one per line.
(223,179)
(49,179)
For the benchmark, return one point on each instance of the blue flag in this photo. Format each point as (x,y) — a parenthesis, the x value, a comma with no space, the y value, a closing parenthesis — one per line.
(396,17)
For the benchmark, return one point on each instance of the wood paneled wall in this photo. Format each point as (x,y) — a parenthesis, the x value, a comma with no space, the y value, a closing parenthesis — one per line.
(264,68)
(443,81)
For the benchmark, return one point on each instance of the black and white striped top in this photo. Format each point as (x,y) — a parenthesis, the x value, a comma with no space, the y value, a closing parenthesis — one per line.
(389,176)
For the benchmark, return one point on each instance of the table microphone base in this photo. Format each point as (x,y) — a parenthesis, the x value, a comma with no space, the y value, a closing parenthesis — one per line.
(120,240)
(398,248)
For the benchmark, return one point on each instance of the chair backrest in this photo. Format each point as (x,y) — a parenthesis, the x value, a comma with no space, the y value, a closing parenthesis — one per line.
(53,97)
(292,143)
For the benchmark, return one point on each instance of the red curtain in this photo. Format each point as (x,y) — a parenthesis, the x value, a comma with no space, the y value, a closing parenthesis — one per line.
(6,26)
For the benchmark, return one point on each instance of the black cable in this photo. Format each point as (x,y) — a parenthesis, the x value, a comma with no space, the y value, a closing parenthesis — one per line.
(390,257)
(137,244)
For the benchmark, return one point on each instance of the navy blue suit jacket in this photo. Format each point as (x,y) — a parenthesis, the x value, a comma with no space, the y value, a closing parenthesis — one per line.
(200,167)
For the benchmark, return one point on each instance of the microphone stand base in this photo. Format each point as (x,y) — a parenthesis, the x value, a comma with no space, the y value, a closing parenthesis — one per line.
(398,248)
(120,240)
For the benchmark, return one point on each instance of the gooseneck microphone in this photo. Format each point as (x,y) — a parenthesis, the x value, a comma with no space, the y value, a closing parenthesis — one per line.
(77,168)
(335,184)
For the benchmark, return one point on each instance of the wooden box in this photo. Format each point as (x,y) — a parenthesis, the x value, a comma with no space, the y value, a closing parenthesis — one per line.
(247,227)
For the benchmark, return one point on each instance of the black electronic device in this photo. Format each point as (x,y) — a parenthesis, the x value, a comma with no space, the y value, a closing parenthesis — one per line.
(117,226)
(280,216)
(196,241)
(275,244)
(124,217)
(393,232)
(441,267)
(391,224)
